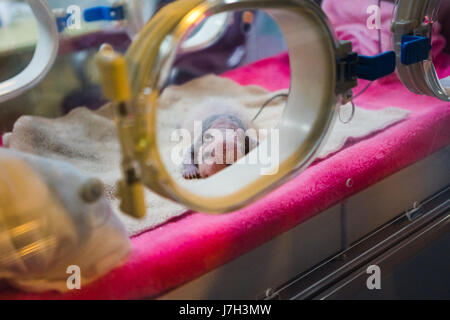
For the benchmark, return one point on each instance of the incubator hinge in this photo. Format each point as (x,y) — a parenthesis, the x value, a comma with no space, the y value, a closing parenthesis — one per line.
(346,60)
(62,18)
(415,211)
(350,66)
(414,38)
(131,192)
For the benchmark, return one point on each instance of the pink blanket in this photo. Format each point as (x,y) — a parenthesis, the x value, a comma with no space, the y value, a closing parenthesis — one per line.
(196,243)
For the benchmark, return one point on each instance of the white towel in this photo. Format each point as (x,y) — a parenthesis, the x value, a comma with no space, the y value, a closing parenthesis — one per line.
(88,139)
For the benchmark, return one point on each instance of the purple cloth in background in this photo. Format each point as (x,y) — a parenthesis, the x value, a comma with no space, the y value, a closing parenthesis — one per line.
(213,59)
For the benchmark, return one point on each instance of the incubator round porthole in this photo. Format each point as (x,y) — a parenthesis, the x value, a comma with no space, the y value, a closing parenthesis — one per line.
(196,142)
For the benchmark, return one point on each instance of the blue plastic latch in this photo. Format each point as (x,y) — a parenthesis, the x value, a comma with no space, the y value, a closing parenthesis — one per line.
(104,13)
(61,22)
(372,68)
(414,49)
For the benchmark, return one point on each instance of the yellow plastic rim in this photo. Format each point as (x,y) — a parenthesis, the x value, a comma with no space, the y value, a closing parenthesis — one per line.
(150,57)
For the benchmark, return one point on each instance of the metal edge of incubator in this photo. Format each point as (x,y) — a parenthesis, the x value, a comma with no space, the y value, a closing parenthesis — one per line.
(284,262)
(344,274)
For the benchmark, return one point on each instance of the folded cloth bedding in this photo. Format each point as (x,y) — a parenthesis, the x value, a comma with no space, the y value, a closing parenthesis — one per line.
(88,139)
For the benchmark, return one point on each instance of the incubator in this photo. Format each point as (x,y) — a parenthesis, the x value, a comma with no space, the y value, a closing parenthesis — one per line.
(150,61)
(413,26)
(157,108)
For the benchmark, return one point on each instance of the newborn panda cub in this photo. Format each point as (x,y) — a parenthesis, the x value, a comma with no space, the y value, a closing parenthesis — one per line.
(223,142)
